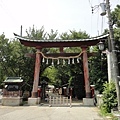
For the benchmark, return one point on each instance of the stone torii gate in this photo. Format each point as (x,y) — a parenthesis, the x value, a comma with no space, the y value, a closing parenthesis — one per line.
(39,44)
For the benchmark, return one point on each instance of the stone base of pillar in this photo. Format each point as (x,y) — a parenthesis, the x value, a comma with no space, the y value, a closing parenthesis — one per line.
(11,101)
(88,101)
(33,101)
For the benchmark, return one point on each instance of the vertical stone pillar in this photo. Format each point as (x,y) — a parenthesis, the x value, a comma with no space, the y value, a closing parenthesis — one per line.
(109,64)
(86,72)
(36,75)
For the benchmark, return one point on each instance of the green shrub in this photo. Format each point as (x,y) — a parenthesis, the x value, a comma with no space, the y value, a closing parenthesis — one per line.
(109,98)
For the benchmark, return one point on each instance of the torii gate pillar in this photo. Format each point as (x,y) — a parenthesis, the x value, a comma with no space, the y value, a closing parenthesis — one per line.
(34,100)
(86,72)
(36,74)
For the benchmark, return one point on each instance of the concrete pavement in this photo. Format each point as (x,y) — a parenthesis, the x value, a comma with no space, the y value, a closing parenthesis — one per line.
(76,112)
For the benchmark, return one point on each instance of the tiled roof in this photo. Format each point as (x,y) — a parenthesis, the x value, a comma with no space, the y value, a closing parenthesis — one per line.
(61,40)
(13,80)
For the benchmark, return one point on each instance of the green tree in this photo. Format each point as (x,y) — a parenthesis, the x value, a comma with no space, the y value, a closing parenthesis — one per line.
(116,16)
(109,97)
(98,70)
(33,33)
(13,62)
(4,56)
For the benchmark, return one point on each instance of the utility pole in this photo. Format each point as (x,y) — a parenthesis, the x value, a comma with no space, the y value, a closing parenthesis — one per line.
(113,52)
(21,30)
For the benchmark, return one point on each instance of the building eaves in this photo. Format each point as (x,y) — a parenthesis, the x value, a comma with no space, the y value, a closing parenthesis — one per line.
(60,40)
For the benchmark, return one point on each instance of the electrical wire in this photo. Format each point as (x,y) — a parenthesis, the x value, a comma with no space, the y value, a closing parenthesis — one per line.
(98,22)
(90,3)
(95,10)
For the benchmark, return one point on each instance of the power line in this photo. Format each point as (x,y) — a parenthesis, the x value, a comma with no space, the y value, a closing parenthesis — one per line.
(90,3)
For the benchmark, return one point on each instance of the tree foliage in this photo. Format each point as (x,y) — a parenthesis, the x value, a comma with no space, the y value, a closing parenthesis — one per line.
(116,16)
(4,56)
(109,97)
(14,62)
(98,71)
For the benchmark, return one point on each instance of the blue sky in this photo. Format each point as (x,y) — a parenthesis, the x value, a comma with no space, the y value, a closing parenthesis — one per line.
(61,15)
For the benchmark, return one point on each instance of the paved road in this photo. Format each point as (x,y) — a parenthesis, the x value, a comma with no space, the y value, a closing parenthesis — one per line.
(78,112)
